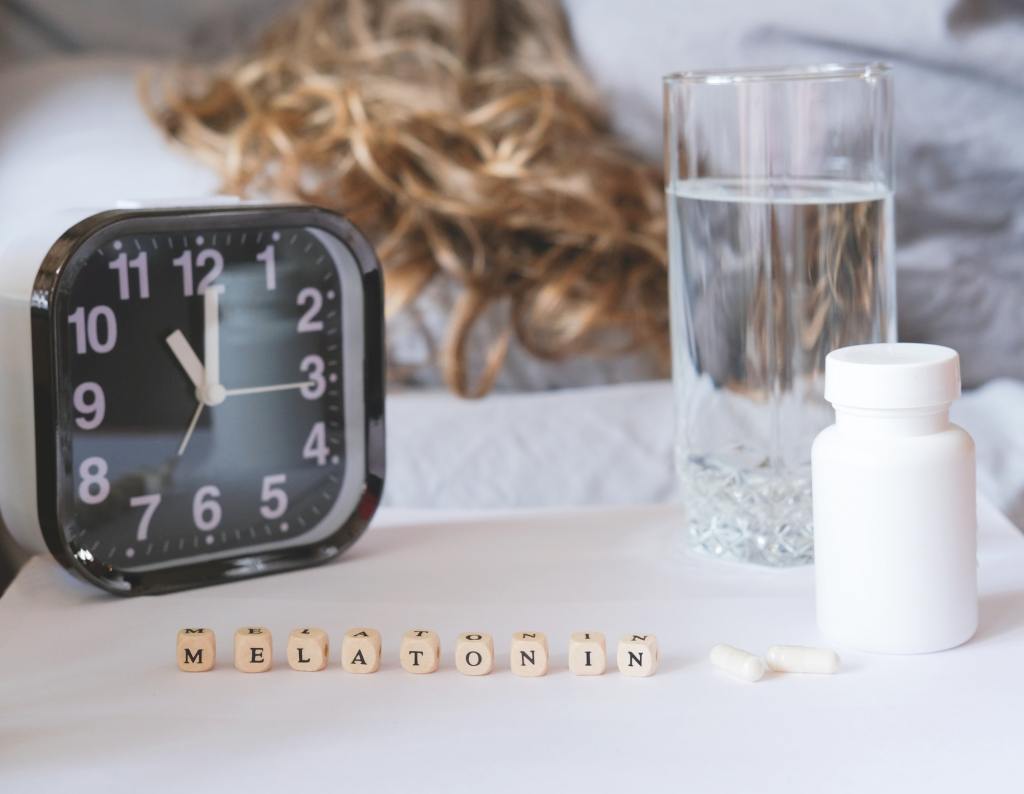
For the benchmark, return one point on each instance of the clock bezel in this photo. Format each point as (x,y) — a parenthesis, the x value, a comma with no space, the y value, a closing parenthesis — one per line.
(51,432)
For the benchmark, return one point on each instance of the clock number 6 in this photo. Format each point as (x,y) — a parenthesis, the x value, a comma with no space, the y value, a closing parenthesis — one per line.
(271,493)
(206,510)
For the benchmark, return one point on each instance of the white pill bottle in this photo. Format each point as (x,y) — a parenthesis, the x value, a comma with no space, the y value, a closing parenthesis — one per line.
(893,484)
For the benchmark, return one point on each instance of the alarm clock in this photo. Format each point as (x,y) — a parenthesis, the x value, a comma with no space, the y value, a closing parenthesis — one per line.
(189,395)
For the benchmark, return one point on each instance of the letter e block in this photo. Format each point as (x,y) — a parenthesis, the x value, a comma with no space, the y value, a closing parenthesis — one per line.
(360,651)
(307,650)
(528,656)
(420,651)
(638,655)
(586,653)
(474,654)
(197,650)
(253,649)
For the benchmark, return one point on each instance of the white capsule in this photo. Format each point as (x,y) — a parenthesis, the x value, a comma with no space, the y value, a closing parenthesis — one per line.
(801,659)
(738,662)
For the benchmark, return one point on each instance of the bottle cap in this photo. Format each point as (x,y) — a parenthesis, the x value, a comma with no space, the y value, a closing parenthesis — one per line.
(896,376)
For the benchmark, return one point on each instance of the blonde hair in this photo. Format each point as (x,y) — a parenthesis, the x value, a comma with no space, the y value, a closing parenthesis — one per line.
(466,141)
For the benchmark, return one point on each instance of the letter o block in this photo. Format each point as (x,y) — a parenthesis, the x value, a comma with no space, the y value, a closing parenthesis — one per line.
(307,650)
(360,651)
(528,655)
(638,655)
(253,649)
(586,653)
(474,654)
(420,651)
(197,650)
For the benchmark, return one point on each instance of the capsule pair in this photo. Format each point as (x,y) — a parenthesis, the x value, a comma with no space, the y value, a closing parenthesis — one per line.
(780,658)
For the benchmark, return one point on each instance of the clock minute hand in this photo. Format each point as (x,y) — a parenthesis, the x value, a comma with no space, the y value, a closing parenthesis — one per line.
(211,343)
(262,389)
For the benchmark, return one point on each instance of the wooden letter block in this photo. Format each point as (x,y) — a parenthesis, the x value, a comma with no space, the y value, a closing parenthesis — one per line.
(360,651)
(638,655)
(528,656)
(474,654)
(307,650)
(253,649)
(197,650)
(586,653)
(420,652)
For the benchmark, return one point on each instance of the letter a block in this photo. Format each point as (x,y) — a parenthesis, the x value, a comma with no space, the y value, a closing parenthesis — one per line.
(420,651)
(474,654)
(307,650)
(360,651)
(528,655)
(197,650)
(253,649)
(586,653)
(638,655)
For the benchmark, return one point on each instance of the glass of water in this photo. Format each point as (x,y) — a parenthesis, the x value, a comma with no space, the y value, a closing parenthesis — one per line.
(779,195)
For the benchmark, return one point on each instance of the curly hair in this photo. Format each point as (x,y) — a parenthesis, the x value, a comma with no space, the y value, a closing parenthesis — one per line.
(464,138)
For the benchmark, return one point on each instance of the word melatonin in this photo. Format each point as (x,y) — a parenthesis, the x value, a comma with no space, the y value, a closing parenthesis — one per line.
(308,650)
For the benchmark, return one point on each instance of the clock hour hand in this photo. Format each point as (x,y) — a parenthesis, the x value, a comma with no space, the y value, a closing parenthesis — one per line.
(188,359)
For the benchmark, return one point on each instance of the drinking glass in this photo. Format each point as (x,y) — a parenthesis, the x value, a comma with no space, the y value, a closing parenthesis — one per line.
(779,195)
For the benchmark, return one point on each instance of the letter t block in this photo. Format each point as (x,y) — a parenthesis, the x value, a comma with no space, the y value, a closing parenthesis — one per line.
(420,651)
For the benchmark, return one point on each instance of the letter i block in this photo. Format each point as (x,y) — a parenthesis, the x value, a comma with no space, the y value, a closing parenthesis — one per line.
(197,650)
(586,653)
(474,654)
(360,651)
(638,655)
(528,656)
(307,650)
(253,649)
(420,651)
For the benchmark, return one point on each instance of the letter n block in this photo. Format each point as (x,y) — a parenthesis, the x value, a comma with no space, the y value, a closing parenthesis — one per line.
(254,650)
(586,653)
(638,655)
(197,650)
(528,655)
(307,650)
(420,651)
(360,651)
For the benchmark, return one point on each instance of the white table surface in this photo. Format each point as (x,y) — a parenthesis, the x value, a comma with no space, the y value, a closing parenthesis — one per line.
(91,700)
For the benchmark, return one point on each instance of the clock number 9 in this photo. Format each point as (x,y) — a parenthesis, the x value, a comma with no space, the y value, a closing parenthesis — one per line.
(312,367)
(206,510)
(207,256)
(89,401)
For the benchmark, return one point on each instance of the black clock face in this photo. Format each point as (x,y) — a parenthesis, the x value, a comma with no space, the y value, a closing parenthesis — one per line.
(210,388)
